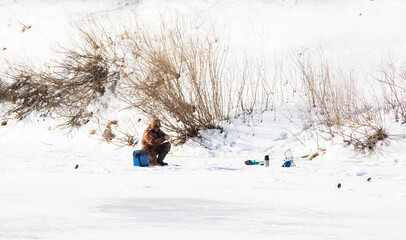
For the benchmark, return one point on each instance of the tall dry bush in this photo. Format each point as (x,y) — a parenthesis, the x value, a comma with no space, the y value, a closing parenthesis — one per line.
(177,78)
(256,91)
(337,107)
(183,78)
(86,73)
(393,79)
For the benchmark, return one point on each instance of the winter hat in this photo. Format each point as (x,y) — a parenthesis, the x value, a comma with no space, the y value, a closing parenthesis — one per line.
(155,123)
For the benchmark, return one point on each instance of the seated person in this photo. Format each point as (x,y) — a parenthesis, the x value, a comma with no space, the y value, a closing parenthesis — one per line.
(153,140)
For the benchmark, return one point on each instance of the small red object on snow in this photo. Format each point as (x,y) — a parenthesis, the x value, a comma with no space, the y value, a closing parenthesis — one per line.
(369,179)
(77,166)
(339,185)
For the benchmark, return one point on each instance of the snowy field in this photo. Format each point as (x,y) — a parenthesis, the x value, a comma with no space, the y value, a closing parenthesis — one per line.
(207,192)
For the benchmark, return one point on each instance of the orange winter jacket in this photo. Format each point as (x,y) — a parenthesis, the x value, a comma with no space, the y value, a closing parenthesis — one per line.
(152,138)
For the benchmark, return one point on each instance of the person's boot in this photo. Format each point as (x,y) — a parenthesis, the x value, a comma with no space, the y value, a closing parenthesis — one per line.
(161,158)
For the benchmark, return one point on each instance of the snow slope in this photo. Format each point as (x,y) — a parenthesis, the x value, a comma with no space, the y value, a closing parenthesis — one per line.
(211,194)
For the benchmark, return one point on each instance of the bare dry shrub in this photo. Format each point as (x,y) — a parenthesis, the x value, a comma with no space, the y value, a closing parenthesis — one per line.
(337,108)
(256,91)
(182,77)
(177,78)
(70,88)
(28,92)
(119,137)
(85,73)
(331,94)
(4,95)
(393,78)
(128,140)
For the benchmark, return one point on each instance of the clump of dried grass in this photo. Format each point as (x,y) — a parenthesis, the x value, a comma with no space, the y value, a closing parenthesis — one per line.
(114,135)
(108,134)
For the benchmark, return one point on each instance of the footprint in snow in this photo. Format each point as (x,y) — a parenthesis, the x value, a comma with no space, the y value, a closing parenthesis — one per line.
(283,136)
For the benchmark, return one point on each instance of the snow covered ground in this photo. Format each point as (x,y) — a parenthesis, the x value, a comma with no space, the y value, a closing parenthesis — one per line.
(207,192)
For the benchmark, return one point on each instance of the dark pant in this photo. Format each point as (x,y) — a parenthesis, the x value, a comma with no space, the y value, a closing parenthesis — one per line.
(153,153)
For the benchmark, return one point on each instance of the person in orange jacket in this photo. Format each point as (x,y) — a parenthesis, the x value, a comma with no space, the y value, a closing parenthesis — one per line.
(154,141)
